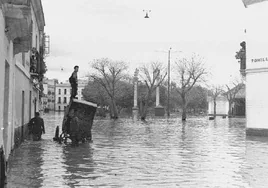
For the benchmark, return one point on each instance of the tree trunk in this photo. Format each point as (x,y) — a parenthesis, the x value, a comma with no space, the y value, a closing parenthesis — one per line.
(114,112)
(141,107)
(145,107)
(215,107)
(184,108)
(144,110)
(102,110)
(230,109)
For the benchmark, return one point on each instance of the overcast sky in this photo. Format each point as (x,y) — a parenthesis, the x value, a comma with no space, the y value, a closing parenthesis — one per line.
(83,30)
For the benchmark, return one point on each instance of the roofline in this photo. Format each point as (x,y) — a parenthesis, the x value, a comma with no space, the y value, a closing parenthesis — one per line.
(38,10)
(85,102)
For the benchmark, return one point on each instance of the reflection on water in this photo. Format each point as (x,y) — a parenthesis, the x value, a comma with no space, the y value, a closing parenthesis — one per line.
(157,153)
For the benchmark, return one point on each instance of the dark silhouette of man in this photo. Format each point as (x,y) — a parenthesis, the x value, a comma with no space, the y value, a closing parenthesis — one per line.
(74,82)
(36,126)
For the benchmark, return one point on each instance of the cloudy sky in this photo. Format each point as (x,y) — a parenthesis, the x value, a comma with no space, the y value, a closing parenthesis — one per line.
(83,30)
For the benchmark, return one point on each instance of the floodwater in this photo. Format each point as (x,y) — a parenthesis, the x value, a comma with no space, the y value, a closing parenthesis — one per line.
(159,153)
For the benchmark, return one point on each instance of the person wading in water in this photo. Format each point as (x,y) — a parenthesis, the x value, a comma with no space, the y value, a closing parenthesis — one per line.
(36,127)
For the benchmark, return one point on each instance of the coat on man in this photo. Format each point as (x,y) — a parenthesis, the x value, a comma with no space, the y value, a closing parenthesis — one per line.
(36,126)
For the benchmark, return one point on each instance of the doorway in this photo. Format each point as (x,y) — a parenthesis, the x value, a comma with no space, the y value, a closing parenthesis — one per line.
(22,114)
(6,105)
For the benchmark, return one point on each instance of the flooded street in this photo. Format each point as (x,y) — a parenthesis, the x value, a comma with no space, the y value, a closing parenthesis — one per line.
(159,153)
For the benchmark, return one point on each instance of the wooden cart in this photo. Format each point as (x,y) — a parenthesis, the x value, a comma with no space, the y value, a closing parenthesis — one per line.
(85,112)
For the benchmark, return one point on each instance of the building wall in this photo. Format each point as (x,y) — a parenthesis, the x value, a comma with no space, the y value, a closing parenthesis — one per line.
(6,88)
(257,66)
(51,93)
(2,73)
(256,36)
(60,103)
(14,79)
(256,100)
(51,97)
(221,106)
(45,97)
(35,33)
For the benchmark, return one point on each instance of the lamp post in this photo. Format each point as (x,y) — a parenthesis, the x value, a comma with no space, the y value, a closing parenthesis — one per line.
(168,97)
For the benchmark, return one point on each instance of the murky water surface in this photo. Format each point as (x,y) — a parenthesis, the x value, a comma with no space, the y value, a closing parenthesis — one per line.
(159,153)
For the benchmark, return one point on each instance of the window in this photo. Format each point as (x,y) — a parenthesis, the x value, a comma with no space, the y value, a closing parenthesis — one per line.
(59,108)
(59,91)
(65,100)
(59,100)
(36,41)
(64,108)
(65,91)
(23,58)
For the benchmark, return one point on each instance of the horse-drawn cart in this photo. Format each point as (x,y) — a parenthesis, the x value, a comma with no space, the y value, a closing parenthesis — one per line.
(82,113)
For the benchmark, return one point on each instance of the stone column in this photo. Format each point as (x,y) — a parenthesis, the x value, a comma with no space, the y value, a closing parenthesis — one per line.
(135,94)
(135,105)
(159,110)
(157,103)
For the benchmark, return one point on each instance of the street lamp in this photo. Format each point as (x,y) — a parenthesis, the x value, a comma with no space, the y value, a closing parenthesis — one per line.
(147,12)
(168,111)
(168,97)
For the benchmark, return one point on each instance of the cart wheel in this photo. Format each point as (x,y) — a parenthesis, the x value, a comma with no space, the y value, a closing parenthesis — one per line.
(61,138)
(56,138)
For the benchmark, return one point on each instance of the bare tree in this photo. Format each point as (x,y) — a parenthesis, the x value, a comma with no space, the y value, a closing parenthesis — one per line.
(94,92)
(215,92)
(108,73)
(231,94)
(190,71)
(152,78)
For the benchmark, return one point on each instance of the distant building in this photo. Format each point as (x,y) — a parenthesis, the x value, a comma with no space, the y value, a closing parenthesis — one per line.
(50,85)
(63,93)
(44,99)
(222,104)
(49,91)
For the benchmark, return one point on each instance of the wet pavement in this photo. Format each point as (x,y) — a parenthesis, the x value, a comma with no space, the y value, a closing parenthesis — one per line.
(159,153)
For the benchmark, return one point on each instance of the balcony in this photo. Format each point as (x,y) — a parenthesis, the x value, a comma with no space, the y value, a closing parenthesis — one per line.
(18,23)
(37,64)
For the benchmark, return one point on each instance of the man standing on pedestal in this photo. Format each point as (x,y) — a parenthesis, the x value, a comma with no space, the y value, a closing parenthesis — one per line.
(74,82)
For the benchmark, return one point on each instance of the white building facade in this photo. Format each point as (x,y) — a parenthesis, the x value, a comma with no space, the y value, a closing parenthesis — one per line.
(49,91)
(63,94)
(222,106)
(256,71)
(21,65)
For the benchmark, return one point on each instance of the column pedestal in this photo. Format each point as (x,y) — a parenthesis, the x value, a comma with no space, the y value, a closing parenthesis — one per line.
(159,111)
(135,113)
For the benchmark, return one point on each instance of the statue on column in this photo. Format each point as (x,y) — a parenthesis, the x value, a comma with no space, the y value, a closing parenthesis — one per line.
(136,73)
(241,56)
(135,82)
